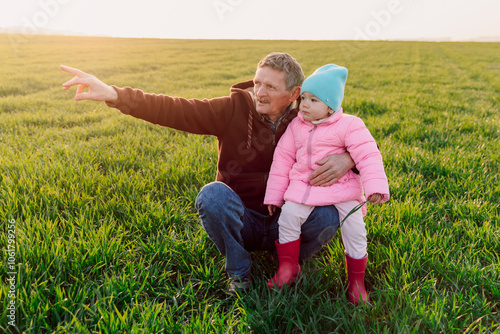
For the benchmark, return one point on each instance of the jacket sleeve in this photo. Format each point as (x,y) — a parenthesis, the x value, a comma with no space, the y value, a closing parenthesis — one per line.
(366,155)
(283,161)
(209,117)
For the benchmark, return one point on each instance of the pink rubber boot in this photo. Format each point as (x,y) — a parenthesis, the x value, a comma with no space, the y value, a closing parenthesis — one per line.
(356,279)
(289,269)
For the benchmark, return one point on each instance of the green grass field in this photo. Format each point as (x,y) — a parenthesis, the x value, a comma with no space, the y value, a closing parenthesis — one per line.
(107,239)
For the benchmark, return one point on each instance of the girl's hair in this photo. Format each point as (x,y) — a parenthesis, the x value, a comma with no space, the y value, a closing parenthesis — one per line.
(286,63)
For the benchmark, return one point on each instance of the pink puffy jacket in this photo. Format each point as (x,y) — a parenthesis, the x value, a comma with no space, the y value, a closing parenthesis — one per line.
(304,143)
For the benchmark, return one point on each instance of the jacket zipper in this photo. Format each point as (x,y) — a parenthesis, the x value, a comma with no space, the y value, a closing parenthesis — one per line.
(309,160)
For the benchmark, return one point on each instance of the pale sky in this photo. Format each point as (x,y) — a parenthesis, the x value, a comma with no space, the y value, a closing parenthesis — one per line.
(455,20)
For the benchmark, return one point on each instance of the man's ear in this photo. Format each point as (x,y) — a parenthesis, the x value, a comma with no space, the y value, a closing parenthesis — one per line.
(295,93)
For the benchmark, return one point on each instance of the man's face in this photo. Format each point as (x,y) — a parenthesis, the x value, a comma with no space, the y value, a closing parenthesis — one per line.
(270,91)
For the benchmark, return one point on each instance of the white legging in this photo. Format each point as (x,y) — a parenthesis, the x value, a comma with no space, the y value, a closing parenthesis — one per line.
(293,215)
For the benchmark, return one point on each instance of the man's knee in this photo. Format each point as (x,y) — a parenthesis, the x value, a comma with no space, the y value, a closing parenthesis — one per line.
(209,195)
(327,223)
(327,213)
(327,234)
(217,203)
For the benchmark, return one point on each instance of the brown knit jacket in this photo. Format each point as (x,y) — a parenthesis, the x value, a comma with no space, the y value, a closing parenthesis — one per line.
(246,142)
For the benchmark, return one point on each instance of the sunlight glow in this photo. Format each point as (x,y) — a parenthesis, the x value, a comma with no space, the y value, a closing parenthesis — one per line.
(257,19)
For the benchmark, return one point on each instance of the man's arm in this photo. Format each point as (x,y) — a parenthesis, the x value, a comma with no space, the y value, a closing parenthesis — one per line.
(333,167)
(207,116)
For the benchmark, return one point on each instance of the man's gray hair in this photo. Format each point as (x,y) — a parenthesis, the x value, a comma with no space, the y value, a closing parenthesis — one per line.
(286,63)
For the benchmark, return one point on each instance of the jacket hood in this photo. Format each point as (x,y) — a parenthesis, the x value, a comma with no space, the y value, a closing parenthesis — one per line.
(245,85)
(246,88)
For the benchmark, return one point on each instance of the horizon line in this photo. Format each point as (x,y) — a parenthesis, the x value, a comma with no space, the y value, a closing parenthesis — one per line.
(49,32)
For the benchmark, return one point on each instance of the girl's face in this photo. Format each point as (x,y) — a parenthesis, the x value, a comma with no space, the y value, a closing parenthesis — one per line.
(312,108)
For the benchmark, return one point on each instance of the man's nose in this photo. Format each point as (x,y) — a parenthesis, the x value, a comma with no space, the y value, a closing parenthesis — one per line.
(260,91)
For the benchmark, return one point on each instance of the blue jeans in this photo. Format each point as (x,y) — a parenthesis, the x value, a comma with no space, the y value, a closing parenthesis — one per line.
(237,230)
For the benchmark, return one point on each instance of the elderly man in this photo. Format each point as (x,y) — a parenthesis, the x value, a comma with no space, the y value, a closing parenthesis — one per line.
(248,124)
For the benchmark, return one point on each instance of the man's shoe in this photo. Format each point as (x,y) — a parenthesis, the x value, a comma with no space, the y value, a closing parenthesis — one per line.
(240,285)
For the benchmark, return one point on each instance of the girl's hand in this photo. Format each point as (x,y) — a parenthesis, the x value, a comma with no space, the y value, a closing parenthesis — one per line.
(375,198)
(271,209)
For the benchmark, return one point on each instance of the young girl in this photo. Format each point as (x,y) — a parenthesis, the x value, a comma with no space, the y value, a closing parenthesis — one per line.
(321,129)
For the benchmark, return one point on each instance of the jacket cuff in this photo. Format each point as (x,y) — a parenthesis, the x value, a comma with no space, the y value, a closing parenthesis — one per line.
(279,204)
(125,102)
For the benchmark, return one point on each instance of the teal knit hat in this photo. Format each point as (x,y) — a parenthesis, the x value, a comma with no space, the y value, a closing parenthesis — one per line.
(327,84)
